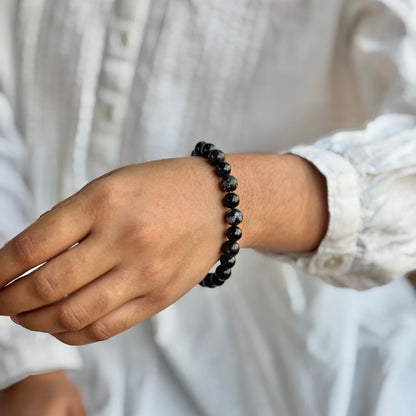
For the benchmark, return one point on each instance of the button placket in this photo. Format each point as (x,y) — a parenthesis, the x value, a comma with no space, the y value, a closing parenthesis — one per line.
(123,42)
(123,39)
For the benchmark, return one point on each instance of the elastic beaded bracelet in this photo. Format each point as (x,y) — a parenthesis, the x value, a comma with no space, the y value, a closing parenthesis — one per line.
(233,216)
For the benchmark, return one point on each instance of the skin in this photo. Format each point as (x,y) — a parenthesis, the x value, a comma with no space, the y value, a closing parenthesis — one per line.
(48,394)
(146,235)
(132,242)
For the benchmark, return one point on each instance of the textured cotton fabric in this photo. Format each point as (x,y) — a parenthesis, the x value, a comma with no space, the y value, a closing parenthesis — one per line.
(88,86)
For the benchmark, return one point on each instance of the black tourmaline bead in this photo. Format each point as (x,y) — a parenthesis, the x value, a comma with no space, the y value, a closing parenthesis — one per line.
(198,148)
(230,247)
(217,281)
(227,260)
(206,149)
(223,169)
(231,200)
(234,233)
(229,183)
(222,272)
(216,156)
(233,216)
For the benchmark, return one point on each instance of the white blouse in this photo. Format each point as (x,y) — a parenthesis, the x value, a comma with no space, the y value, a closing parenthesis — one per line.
(86,87)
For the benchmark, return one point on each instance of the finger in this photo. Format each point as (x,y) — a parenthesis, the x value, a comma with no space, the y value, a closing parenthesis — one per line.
(114,323)
(124,317)
(62,275)
(76,410)
(59,406)
(83,307)
(53,233)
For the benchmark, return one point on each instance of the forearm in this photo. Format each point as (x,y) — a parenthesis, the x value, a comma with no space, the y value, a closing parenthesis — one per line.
(283,199)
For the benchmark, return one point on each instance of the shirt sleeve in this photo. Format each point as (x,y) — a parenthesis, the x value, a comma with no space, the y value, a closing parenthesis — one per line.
(371,173)
(22,352)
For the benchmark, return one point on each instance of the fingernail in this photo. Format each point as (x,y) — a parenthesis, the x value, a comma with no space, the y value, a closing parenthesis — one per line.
(15,319)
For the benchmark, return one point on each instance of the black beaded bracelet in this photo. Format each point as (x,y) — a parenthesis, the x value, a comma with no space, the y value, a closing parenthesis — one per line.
(233,216)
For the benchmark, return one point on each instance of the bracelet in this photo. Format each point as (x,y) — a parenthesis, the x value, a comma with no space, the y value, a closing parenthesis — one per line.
(233,216)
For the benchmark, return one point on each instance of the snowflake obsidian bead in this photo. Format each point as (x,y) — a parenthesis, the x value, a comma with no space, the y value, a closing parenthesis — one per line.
(230,247)
(208,281)
(223,272)
(216,156)
(223,169)
(234,233)
(231,200)
(217,281)
(198,148)
(233,216)
(227,260)
(229,183)
(206,149)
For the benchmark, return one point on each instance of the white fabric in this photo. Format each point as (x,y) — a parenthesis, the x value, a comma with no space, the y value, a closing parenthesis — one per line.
(365,187)
(99,84)
(21,352)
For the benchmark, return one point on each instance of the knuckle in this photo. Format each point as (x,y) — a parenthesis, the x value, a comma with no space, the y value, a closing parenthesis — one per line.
(104,196)
(100,331)
(67,338)
(25,249)
(154,273)
(161,297)
(44,288)
(71,319)
(137,233)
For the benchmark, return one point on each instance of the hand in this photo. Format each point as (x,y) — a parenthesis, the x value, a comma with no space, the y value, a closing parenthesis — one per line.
(135,240)
(48,394)
(146,234)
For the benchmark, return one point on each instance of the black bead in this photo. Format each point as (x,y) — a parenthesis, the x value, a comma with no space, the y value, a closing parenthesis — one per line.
(206,149)
(216,156)
(222,272)
(223,169)
(208,281)
(234,233)
(202,283)
(229,183)
(231,200)
(233,216)
(217,281)
(227,260)
(230,247)
(198,148)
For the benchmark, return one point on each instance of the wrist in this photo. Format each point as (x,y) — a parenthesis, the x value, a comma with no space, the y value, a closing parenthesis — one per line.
(284,199)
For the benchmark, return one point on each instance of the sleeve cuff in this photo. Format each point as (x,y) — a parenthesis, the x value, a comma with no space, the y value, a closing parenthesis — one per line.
(335,254)
(25,353)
